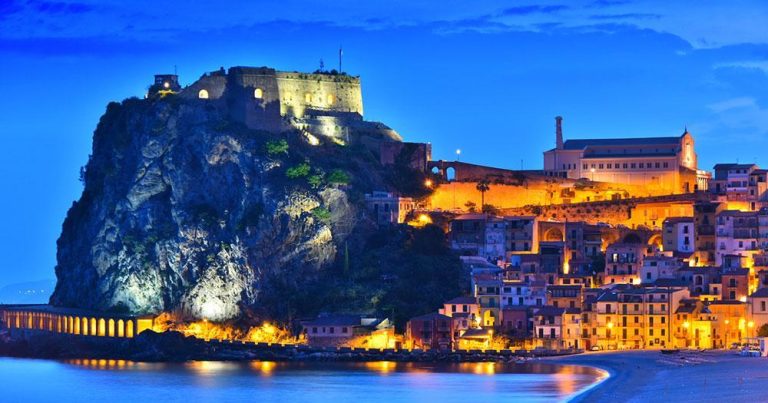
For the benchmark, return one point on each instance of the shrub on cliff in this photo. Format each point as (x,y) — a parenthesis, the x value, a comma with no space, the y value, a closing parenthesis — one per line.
(298,171)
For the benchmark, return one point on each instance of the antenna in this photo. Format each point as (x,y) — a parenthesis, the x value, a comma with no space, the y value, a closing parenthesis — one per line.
(341,54)
(322,65)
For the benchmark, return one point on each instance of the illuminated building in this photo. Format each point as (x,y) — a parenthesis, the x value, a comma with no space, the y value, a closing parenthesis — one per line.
(388,208)
(340,330)
(430,331)
(73,321)
(678,234)
(667,163)
(623,262)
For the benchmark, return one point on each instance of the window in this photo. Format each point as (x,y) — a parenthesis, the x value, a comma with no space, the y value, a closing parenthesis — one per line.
(258,93)
(762,305)
(666,165)
(314,330)
(633,165)
(330,99)
(624,165)
(203,94)
(343,329)
(609,166)
(307,97)
(658,165)
(642,165)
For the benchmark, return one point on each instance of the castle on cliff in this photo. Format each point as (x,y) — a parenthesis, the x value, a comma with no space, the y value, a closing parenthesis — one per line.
(321,103)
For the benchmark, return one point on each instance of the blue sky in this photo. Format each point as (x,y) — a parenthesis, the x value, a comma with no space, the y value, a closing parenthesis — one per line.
(484,76)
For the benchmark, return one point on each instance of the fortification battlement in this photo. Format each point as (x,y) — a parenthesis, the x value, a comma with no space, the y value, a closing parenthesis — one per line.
(267,99)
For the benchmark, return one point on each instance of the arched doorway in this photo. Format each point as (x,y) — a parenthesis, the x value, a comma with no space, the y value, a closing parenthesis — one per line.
(203,94)
(129,328)
(553,235)
(102,327)
(450,173)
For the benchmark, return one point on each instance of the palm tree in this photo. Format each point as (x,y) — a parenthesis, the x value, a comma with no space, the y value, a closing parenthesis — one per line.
(483,187)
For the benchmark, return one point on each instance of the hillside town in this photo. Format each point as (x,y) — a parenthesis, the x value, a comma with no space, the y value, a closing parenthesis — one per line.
(690,271)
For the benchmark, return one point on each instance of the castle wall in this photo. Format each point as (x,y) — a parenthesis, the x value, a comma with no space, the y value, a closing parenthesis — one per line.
(301,92)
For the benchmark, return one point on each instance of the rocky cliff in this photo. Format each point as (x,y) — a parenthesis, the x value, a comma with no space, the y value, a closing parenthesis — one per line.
(186,210)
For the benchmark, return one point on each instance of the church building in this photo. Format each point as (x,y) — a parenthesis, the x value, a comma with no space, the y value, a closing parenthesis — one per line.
(664,164)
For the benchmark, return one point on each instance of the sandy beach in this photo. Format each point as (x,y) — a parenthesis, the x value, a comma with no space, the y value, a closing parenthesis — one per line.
(644,376)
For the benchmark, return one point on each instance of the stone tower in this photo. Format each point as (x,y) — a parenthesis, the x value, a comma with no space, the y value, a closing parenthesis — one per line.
(559,132)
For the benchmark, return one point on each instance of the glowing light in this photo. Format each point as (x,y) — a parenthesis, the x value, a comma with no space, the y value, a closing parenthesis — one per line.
(458,151)
(743,299)
(686,325)
(428,183)
(166,85)
(610,325)
(258,93)
(203,94)
(751,324)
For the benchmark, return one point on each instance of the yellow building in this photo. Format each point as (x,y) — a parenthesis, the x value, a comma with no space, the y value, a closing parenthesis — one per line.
(665,165)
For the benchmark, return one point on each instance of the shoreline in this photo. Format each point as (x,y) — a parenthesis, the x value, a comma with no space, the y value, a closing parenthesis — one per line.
(641,376)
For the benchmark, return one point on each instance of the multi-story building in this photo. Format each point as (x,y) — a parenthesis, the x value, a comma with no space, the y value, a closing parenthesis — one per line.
(694,325)
(659,267)
(662,164)
(557,327)
(522,234)
(737,233)
(389,208)
(758,307)
(564,296)
(731,325)
(645,316)
(486,289)
(735,284)
(430,331)
(623,262)
(704,220)
(731,181)
(678,234)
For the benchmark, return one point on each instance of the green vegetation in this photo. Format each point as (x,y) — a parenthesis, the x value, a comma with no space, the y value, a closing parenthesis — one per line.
(298,171)
(322,214)
(315,181)
(277,147)
(763,331)
(338,177)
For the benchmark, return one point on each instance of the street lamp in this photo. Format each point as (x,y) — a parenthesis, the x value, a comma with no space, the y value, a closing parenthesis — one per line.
(458,154)
(592,170)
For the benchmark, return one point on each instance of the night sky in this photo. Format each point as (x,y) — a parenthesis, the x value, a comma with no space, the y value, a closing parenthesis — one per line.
(487,77)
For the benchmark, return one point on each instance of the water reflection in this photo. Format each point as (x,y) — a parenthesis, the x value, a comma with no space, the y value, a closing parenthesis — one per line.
(351,381)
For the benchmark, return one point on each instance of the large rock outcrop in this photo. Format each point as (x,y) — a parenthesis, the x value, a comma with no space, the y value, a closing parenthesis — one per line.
(185,210)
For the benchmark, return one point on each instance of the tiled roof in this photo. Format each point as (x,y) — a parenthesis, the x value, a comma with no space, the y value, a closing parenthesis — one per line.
(579,144)
(547,310)
(761,293)
(462,300)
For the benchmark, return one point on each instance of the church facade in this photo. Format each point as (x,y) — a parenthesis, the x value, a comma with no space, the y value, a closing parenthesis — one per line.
(667,165)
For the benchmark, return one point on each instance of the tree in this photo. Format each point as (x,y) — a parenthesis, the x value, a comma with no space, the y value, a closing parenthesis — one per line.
(483,186)
(471,206)
(763,331)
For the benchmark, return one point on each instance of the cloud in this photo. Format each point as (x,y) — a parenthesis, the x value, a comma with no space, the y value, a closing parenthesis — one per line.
(758,65)
(607,3)
(626,16)
(533,9)
(56,7)
(733,103)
